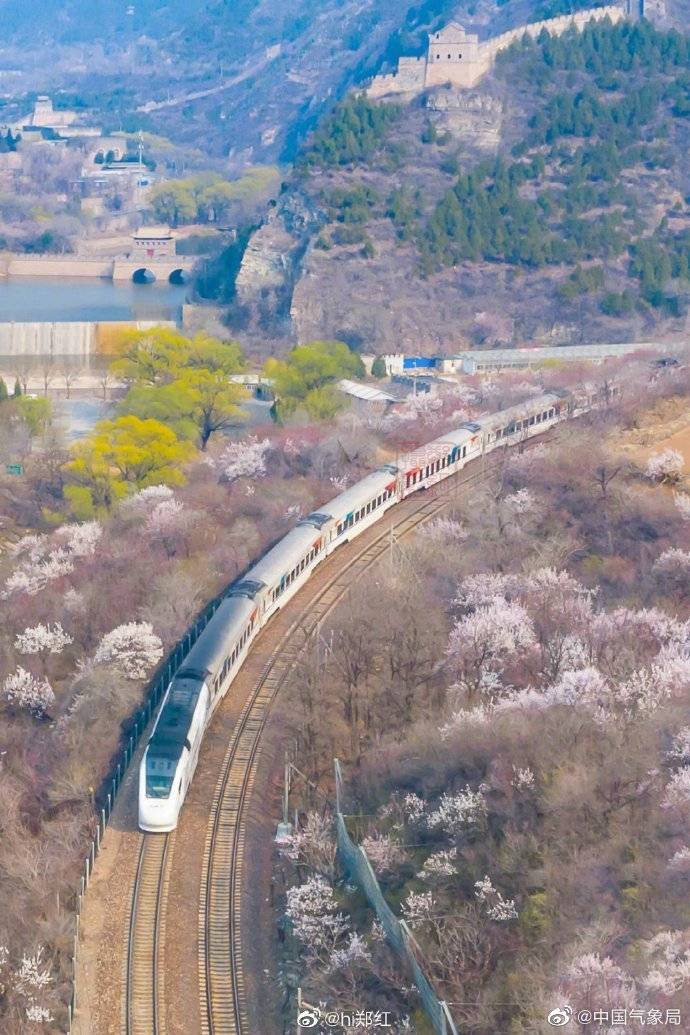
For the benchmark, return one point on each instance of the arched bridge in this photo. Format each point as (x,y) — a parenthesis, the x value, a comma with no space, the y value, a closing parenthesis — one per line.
(175,270)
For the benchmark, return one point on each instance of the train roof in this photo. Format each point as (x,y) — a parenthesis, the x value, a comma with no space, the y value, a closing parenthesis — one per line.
(172,729)
(282,557)
(464,434)
(211,648)
(361,492)
(503,418)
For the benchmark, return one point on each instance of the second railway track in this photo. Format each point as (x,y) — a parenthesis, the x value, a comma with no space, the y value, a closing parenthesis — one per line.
(221,980)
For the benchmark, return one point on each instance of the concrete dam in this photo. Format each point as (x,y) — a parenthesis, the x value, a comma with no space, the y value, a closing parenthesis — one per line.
(76,340)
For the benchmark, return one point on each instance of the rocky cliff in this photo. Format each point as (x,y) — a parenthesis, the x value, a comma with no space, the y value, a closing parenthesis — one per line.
(355,269)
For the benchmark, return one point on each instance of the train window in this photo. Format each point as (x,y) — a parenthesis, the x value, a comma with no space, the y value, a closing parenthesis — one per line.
(464,450)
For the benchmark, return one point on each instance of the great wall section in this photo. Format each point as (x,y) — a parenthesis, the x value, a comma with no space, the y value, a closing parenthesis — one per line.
(458,58)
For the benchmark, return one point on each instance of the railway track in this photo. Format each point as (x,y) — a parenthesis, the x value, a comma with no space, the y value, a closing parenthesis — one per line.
(142,1013)
(221,982)
(223,1008)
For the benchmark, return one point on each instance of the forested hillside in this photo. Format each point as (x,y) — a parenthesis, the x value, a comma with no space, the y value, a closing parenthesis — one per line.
(556,193)
(244,78)
(508,700)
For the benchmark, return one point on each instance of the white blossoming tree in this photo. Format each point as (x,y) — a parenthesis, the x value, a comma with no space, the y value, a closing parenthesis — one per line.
(142,502)
(668,956)
(313,911)
(666,466)
(417,907)
(133,648)
(383,853)
(682,502)
(38,639)
(245,458)
(25,691)
(444,530)
(439,865)
(482,641)
(677,793)
(497,907)
(81,540)
(35,571)
(32,981)
(314,844)
(456,812)
(353,954)
(593,982)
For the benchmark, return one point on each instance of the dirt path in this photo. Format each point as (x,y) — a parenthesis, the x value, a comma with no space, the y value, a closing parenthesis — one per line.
(103,927)
(679,441)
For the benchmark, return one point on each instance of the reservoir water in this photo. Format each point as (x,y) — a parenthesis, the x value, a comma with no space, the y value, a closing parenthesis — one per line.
(30,299)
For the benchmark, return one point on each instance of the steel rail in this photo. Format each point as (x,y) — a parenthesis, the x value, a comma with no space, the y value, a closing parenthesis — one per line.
(221,982)
(143,962)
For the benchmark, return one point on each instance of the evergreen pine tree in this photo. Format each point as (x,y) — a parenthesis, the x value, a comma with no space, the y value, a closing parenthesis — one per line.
(378,367)
(4,394)
(17,389)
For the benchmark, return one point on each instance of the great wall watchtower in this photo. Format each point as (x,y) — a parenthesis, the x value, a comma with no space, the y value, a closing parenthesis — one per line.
(454,57)
(459,58)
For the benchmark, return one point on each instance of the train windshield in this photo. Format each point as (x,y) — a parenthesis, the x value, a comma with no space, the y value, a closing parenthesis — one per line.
(160,773)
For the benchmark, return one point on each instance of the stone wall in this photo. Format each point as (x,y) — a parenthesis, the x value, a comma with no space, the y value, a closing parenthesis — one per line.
(416,74)
(54,266)
(410,78)
(554,26)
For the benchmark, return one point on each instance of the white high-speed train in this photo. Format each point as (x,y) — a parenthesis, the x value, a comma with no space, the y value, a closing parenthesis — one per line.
(206,673)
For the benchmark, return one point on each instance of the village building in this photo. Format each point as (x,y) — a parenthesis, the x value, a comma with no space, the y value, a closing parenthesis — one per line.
(153,242)
(46,122)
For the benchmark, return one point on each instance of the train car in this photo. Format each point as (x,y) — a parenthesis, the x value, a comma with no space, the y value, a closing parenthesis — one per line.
(523,421)
(348,514)
(208,670)
(280,572)
(436,460)
(199,684)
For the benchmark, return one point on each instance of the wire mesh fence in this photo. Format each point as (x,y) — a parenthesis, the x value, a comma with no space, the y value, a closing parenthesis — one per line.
(358,868)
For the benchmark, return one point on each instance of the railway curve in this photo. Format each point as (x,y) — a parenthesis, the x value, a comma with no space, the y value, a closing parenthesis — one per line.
(210,967)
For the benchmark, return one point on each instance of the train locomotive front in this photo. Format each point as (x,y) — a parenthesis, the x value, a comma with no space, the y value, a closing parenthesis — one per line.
(170,756)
